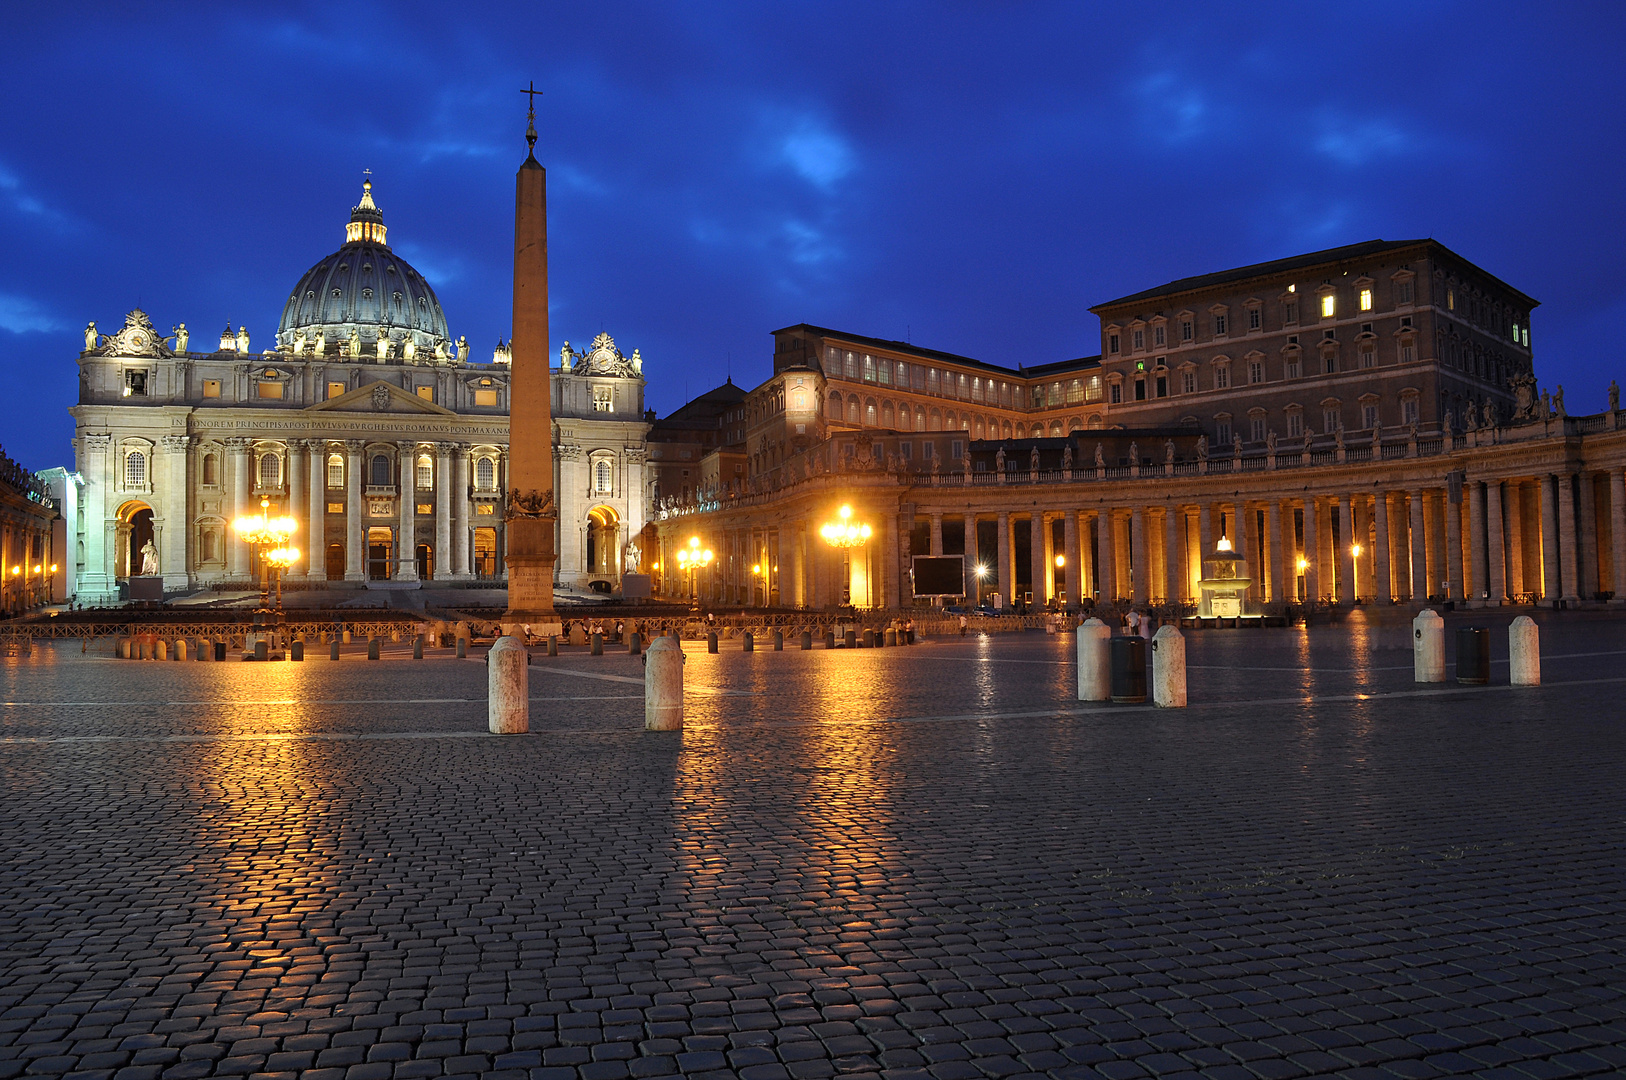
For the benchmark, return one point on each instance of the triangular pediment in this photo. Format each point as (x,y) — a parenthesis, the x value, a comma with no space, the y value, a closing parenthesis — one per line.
(380,396)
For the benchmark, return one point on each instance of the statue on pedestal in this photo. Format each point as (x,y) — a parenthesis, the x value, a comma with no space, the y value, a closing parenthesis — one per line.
(1100,457)
(90,336)
(409,346)
(149,559)
(999,460)
(1614,396)
(181,336)
(1168,451)
(462,349)
(1033,460)
(242,339)
(1202,449)
(1558,403)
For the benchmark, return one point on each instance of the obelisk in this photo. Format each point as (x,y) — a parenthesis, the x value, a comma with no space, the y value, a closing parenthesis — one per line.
(530,510)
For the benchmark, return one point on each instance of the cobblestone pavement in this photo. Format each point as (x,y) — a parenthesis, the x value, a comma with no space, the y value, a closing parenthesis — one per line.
(905,862)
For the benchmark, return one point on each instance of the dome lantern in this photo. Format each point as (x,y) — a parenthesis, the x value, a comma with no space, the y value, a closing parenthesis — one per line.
(366,219)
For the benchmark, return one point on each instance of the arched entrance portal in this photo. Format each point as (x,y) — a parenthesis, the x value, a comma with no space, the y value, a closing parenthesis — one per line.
(603,545)
(134,532)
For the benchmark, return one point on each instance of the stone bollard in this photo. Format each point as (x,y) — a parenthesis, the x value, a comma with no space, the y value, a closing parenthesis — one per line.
(851,639)
(778,641)
(553,644)
(220,650)
(262,649)
(596,645)
(204,651)
(829,639)
(417,647)
(1524,652)
(1094,661)
(891,636)
(711,642)
(296,651)
(508,702)
(1428,647)
(372,648)
(748,642)
(663,685)
(807,640)
(1168,669)
(635,643)
(183,648)
(868,641)
(347,637)
(333,649)
(462,647)
(160,649)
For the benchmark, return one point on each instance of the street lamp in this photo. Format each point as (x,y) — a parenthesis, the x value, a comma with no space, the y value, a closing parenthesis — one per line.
(691,559)
(982,572)
(846,534)
(269,537)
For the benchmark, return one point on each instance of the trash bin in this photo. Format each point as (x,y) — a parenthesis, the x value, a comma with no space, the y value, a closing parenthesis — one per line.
(1473,655)
(1129,670)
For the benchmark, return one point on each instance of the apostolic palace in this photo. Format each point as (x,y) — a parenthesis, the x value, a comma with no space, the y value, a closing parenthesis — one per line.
(1361,424)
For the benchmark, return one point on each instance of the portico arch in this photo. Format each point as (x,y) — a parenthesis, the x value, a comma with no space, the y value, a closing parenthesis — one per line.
(132,530)
(603,545)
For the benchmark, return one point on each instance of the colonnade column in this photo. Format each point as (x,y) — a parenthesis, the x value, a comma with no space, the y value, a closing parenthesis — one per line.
(972,582)
(1004,578)
(894,546)
(1617,531)
(240,492)
(406,539)
(1107,547)
(1550,590)
(1074,565)
(1312,558)
(1139,560)
(1478,571)
(1244,548)
(1346,549)
(1513,515)
(173,505)
(460,514)
(299,501)
(1590,581)
(1495,544)
(355,565)
(1039,571)
(1566,537)
(316,534)
(1284,560)
(1419,550)
(1383,589)
(937,533)
(1453,543)
(444,566)
(1174,563)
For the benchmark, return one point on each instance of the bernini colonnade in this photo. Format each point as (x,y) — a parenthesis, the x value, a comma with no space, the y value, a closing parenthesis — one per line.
(1532,513)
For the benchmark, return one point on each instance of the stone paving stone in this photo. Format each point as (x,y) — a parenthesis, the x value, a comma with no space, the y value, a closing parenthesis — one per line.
(901,863)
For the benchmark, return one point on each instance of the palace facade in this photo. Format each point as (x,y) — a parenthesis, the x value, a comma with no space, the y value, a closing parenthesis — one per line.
(365,421)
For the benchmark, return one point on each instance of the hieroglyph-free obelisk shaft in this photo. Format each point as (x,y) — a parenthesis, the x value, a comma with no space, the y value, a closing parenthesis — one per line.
(530,504)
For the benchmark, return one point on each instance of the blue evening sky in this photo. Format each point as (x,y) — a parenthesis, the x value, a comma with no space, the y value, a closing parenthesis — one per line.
(969,176)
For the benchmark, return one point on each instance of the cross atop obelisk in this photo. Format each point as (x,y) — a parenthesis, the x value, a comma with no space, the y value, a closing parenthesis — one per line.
(529,510)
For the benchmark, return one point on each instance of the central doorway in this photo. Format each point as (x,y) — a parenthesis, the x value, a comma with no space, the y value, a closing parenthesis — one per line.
(380,548)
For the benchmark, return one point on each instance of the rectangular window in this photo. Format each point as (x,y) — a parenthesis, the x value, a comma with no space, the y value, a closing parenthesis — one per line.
(1222,431)
(1162,386)
(135,384)
(965,390)
(869,368)
(1366,299)
(335,389)
(1329,306)
(976,389)
(211,387)
(604,399)
(1408,411)
(1368,357)
(1295,425)
(931,380)
(1256,371)
(1292,369)
(1092,388)
(1330,421)
(1408,352)
(1140,340)
(1185,329)
(486,398)
(1140,389)
(485,509)
(927,449)
(427,393)
(1290,312)
(1188,382)
(1159,335)
(1219,325)
(1222,377)
(1329,364)
(906,449)
(1256,425)
(270,391)
(1253,318)
(335,508)
(1403,292)
(883,374)
(1369,416)
(1112,344)
(956,449)
(1117,394)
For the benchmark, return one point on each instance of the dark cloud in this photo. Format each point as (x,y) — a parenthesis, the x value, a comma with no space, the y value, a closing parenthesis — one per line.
(968,175)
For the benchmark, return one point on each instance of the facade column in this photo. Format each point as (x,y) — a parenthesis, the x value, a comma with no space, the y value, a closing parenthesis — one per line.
(1495,544)
(1107,543)
(1245,548)
(1419,549)
(1617,532)
(1280,592)
(1312,558)
(1205,530)
(1513,519)
(1589,582)
(316,533)
(817,584)
(299,485)
(1346,550)
(406,530)
(443,565)
(1005,579)
(972,557)
(1479,567)
(1383,589)
(1174,563)
(1566,537)
(1073,579)
(355,542)
(177,522)
(1139,559)
(1453,543)
(461,538)
(241,491)
(937,532)
(1039,572)
(1550,591)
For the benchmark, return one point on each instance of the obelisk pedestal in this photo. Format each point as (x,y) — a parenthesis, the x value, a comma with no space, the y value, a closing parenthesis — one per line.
(529,506)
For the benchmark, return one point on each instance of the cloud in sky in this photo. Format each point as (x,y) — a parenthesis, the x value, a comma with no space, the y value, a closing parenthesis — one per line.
(20,315)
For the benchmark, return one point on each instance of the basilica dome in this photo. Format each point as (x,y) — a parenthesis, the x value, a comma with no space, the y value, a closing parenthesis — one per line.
(360,293)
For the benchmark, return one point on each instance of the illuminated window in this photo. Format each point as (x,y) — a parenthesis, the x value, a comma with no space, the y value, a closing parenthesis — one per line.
(485,474)
(426,508)
(601,478)
(1451,299)
(604,399)
(852,366)
(931,380)
(1092,388)
(426,472)
(211,387)
(1329,306)
(135,469)
(1366,299)
(427,393)
(335,508)
(484,509)
(869,368)
(335,472)
(270,471)
(485,397)
(271,391)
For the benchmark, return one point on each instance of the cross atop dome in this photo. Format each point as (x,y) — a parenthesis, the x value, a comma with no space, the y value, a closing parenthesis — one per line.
(366,219)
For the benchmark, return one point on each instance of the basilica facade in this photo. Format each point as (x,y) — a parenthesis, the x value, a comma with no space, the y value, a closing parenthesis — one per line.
(365,421)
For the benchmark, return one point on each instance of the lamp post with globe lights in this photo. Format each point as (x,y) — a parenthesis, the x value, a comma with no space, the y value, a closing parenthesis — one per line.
(690,560)
(269,537)
(845,535)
